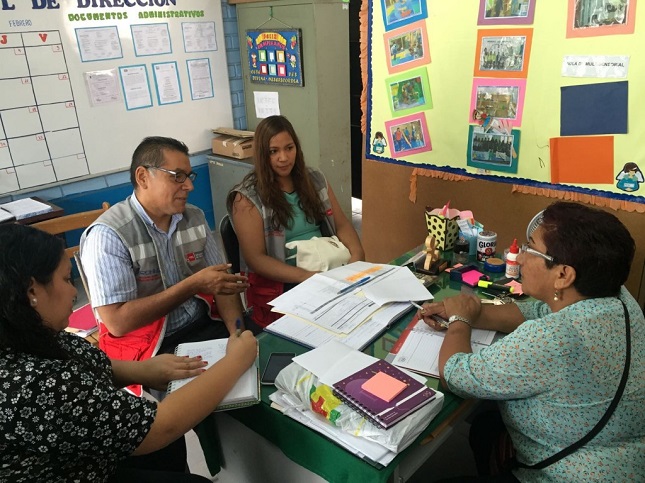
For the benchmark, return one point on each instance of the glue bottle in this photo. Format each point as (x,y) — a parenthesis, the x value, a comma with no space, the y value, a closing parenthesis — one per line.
(512,267)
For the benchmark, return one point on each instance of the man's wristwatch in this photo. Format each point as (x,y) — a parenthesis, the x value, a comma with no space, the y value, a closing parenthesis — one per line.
(454,318)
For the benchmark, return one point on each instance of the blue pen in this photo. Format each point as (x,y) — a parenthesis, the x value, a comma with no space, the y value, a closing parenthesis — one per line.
(238,327)
(352,286)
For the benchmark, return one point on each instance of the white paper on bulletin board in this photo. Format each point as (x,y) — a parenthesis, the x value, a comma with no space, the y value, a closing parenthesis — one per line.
(442,70)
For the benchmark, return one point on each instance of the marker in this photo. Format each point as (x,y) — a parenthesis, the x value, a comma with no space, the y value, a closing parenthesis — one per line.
(495,286)
(354,285)
(238,327)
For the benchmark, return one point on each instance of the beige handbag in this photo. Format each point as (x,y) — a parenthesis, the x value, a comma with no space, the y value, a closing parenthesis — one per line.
(319,254)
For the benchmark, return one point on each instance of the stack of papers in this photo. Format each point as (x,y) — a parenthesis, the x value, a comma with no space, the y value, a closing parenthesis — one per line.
(376,446)
(5,215)
(26,208)
(352,304)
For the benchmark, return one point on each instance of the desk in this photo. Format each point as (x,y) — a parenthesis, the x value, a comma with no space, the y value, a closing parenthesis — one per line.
(55,213)
(314,452)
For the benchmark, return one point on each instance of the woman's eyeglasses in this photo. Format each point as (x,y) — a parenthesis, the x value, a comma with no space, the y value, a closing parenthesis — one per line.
(180,176)
(527,249)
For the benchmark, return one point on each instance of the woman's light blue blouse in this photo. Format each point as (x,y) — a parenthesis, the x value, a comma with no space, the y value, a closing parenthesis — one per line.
(554,377)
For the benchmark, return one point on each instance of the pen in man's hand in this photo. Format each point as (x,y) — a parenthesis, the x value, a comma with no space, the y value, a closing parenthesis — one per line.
(354,285)
(238,327)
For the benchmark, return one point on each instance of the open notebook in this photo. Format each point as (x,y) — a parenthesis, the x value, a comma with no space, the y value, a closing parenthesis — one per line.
(246,391)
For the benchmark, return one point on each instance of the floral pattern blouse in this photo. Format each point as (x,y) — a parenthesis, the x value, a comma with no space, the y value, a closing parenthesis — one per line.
(554,378)
(65,420)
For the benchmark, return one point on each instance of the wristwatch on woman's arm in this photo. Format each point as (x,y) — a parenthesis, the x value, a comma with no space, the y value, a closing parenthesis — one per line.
(455,318)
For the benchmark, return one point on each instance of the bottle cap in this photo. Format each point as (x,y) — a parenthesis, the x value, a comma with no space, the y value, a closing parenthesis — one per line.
(514,248)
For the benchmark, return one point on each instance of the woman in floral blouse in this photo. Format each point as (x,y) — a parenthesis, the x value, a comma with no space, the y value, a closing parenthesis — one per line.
(557,371)
(62,415)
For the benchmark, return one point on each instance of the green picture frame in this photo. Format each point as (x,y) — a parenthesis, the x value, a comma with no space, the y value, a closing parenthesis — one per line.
(409,92)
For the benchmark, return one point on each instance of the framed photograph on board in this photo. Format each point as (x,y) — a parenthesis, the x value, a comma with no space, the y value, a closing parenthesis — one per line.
(498,98)
(397,13)
(503,53)
(493,151)
(407,48)
(408,135)
(590,18)
(500,12)
(275,57)
(409,92)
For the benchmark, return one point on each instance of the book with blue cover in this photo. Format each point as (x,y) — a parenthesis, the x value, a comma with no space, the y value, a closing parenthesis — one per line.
(366,399)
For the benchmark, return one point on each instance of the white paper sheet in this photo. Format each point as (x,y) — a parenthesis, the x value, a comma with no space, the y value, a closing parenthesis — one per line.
(313,335)
(420,350)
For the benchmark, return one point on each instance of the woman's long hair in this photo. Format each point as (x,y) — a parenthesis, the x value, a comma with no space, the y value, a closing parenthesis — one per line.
(26,254)
(263,178)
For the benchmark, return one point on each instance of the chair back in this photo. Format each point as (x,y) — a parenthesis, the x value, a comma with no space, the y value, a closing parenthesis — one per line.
(231,244)
(66,223)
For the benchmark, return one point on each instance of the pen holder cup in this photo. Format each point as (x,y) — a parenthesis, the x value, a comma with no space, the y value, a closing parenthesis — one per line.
(472,243)
(444,230)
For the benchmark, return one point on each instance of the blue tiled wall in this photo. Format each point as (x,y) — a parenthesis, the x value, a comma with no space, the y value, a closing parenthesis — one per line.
(234,61)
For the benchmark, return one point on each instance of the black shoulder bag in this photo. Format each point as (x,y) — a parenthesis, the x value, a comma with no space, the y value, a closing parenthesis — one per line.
(600,424)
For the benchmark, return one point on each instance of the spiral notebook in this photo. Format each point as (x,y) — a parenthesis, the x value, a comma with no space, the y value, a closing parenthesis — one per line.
(382,393)
(246,391)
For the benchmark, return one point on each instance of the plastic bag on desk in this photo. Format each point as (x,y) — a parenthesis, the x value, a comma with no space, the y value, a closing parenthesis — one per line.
(319,398)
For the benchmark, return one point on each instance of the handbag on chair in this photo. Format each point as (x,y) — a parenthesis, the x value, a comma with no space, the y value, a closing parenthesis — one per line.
(319,254)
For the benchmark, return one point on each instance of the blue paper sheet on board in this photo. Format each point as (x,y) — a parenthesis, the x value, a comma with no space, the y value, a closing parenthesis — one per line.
(594,109)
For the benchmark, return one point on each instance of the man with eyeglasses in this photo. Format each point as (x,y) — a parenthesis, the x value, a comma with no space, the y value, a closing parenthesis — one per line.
(156,276)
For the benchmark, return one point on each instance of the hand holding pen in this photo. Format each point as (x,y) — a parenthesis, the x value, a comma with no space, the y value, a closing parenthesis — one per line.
(433,320)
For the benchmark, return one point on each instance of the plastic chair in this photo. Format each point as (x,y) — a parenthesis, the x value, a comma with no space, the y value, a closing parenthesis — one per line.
(231,244)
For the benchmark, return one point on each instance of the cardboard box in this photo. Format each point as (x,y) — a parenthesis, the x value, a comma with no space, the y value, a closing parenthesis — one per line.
(233,142)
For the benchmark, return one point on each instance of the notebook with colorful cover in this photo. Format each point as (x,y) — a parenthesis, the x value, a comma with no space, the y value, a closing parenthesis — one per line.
(367,402)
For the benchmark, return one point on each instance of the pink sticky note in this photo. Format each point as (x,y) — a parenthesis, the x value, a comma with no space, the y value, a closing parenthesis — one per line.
(471,277)
(517,287)
(384,386)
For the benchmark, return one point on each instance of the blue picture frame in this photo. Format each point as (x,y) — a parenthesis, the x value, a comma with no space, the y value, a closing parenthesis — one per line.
(397,13)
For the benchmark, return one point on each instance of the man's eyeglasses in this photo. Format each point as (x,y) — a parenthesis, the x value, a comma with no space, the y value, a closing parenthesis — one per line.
(527,249)
(180,176)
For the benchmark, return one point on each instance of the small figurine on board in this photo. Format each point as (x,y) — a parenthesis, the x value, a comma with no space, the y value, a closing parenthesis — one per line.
(432,264)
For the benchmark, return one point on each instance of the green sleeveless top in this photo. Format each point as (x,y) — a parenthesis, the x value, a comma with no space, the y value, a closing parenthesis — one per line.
(301,228)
